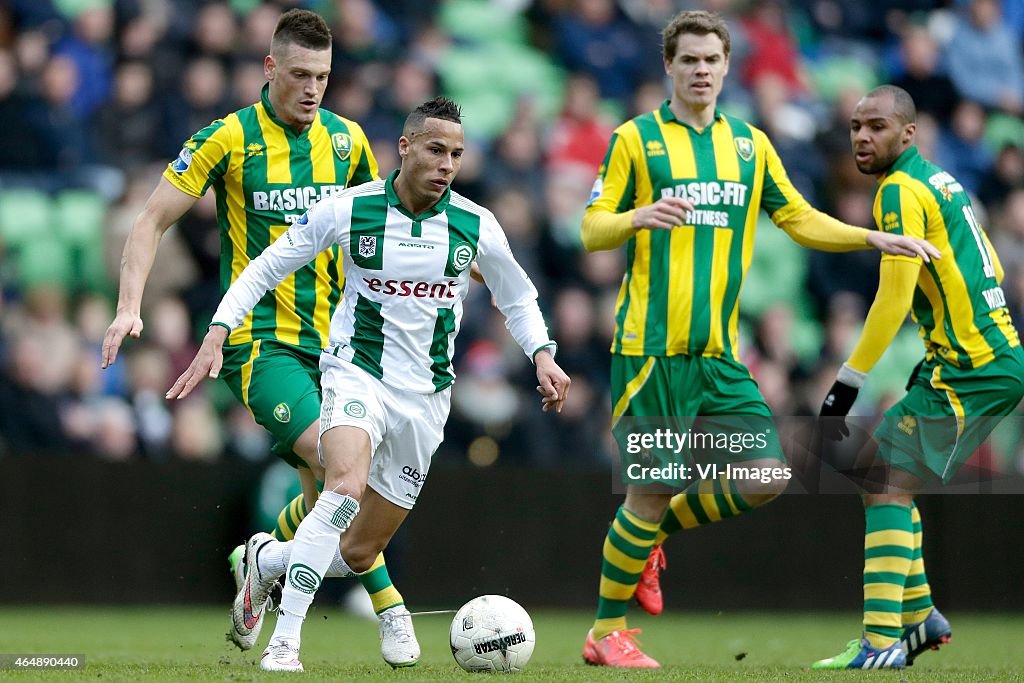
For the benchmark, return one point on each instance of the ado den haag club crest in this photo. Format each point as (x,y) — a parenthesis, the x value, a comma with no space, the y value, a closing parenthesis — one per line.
(342,145)
(745,148)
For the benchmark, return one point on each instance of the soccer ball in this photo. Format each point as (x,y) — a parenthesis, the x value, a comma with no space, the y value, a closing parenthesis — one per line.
(492,633)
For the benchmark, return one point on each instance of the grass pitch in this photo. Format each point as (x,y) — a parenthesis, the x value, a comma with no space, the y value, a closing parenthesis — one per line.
(188,643)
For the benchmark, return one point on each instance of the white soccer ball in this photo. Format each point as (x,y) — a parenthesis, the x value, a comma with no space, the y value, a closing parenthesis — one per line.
(492,633)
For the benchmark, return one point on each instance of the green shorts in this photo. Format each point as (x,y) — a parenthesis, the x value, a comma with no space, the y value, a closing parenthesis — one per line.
(280,385)
(712,406)
(947,413)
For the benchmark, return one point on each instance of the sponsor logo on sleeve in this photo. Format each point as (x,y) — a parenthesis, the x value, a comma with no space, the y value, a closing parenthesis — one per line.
(596,190)
(184,160)
(891,222)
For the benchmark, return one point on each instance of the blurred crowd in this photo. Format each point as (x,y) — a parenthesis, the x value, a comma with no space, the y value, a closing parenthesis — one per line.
(96,96)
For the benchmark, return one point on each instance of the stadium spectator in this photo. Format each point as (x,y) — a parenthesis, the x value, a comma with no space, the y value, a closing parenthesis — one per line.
(203,96)
(594,38)
(62,135)
(961,149)
(985,59)
(90,47)
(386,392)
(830,275)
(662,192)
(515,158)
(272,362)
(580,131)
(922,76)
(128,128)
(29,403)
(15,155)
(1004,176)
(215,33)
(1008,239)
(773,51)
(971,375)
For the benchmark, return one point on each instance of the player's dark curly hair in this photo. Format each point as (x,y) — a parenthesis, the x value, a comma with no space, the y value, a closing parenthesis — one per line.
(438,108)
(698,22)
(303,28)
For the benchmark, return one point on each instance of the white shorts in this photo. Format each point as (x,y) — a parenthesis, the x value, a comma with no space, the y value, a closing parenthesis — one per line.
(405,428)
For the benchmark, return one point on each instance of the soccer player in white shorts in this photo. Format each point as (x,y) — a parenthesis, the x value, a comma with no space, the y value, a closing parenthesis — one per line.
(407,244)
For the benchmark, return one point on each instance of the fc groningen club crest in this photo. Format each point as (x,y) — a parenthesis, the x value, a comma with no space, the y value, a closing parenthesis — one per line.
(462,256)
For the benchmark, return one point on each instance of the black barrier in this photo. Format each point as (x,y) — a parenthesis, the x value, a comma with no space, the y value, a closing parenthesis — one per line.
(79,531)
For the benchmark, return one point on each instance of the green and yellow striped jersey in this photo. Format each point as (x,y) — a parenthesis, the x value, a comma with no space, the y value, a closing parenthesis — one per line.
(680,293)
(265,176)
(958,303)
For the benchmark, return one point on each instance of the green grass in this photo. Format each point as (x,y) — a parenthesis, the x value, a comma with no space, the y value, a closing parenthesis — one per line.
(188,643)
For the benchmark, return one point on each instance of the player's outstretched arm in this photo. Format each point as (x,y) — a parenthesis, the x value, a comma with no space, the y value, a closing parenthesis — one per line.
(207,363)
(554,383)
(902,245)
(165,206)
(816,230)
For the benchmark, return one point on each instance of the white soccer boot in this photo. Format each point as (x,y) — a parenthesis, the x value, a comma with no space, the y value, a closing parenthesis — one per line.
(282,654)
(398,645)
(252,601)
(236,564)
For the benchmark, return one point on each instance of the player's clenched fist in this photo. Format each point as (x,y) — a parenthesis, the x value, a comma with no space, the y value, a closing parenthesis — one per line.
(664,214)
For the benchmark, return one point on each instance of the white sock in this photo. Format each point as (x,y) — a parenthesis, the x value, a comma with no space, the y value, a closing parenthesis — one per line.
(339,567)
(313,549)
(274,557)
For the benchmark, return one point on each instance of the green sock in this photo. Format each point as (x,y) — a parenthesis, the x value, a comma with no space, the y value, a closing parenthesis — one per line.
(917,594)
(288,521)
(377,583)
(888,551)
(625,553)
(702,502)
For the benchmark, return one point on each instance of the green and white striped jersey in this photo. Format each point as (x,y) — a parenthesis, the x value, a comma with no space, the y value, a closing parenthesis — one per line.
(406,278)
